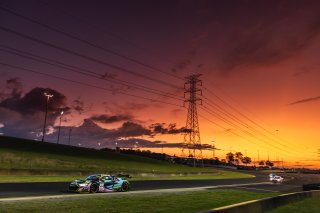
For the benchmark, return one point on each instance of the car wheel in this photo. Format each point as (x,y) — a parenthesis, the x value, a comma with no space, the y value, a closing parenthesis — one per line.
(124,187)
(94,188)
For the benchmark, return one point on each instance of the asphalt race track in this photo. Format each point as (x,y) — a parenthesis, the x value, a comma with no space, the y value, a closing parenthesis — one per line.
(58,188)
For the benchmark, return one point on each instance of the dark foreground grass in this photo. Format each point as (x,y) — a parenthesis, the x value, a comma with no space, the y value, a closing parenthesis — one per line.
(186,202)
(308,205)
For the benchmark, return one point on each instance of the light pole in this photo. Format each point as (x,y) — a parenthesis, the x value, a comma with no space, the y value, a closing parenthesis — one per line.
(59,127)
(277,133)
(117,148)
(45,117)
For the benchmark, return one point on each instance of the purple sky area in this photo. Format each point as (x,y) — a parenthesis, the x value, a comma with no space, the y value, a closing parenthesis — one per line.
(117,68)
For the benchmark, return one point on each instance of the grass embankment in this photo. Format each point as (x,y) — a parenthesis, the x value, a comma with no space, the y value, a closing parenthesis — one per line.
(38,161)
(67,178)
(308,205)
(167,202)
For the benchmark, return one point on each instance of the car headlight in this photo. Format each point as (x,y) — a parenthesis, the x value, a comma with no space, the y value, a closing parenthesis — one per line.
(83,184)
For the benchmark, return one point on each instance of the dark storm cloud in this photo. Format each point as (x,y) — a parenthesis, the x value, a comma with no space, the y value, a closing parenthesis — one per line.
(79,106)
(92,135)
(162,128)
(12,89)
(90,129)
(130,129)
(35,101)
(141,143)
(111,118)
(24,115)
(89,133)
(9,117)
(15,85)
(307,100)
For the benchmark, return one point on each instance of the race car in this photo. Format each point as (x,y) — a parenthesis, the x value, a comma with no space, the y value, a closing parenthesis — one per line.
(100,183)
(275,178)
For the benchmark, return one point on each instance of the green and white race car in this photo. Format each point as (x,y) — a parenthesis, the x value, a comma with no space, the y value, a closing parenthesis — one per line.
(100,183)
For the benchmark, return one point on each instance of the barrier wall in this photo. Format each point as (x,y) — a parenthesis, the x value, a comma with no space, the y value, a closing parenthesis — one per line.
(263,205)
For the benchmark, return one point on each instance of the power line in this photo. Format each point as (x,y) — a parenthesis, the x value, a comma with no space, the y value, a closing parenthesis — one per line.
(241,129)
(86,72)
(235,101)
(250,120)
(85,84)
(230,131)
(234,109)
(240,121)
(246,125)
(101,30)
(246,132)
(86,57)
(224,128)
(92,44)
(236,134)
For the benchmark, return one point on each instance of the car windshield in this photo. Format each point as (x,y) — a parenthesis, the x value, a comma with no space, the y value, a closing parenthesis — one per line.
(92,177)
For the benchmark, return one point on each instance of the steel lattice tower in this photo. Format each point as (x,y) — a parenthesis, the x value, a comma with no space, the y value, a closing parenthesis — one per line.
(192,137)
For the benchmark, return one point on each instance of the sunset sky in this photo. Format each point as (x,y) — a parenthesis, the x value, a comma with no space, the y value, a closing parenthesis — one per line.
(117,69)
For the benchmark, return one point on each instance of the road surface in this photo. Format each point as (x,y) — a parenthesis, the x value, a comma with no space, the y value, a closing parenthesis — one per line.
(59,188)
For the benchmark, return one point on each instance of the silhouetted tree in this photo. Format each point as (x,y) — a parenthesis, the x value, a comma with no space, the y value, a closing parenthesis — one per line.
(230,157)
(238,157)
(269,163)
(246,160)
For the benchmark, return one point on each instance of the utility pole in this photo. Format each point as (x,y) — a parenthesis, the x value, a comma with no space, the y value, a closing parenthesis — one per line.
(45,117)
(192,137)
(59,126)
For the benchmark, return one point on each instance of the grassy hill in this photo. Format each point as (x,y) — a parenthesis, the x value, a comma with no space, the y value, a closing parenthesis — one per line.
(28,157)
(18,153)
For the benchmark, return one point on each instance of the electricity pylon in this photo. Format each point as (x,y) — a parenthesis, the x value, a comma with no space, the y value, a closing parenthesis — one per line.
(192,136)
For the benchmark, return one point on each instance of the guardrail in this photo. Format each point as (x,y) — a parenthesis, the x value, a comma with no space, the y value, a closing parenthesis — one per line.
(266,204)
